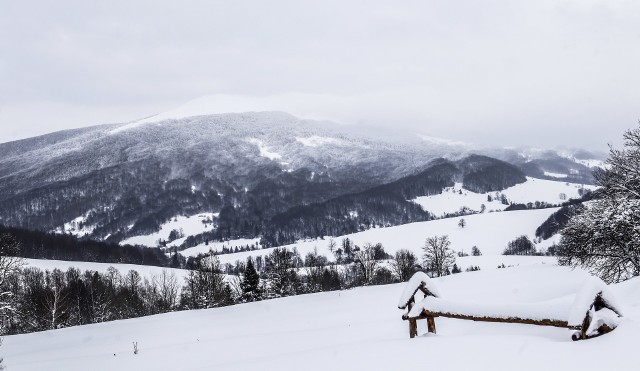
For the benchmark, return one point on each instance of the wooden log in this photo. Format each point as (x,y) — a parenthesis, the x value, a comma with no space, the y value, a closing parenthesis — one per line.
(431,325)
(413,328)
(410,304)
(539,322)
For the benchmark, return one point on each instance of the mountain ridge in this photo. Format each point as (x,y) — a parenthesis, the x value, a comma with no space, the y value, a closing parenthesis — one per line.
(249,167)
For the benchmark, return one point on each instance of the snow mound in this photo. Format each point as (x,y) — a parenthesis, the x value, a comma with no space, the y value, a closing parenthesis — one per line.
(419,279)
(556,309)
(584,299)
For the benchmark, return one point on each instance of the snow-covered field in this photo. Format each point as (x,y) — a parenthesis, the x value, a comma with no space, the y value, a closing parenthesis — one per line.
(454,198)
(189,225)
(490,232)
(359,329)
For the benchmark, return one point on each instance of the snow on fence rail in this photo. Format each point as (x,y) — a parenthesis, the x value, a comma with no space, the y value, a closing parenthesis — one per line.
(591,312)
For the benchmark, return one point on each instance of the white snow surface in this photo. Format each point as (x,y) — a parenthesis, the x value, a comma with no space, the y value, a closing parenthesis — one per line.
(443,141)
(264,151)
(592,163)
(318,141)
(452,199)
(555,175)
(190,225)
(358,329)
(490,232)
(76,227)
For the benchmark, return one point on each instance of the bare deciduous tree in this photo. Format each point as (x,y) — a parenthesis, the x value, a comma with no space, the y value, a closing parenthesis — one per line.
(404,264)
(438,257)
(365,257)
(10,264)
(167,289)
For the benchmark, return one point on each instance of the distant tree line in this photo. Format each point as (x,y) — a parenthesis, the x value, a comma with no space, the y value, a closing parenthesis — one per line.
(557,221)
(41,245)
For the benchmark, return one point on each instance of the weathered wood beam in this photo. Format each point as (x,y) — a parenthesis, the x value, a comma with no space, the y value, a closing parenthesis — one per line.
(543,322)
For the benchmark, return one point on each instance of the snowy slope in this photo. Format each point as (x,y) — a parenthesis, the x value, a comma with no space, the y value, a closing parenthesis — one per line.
(358,329)
(490,232)
(189,225)
(454,198)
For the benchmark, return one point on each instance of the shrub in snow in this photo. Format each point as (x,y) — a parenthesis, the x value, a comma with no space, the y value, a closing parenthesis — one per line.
(520,246)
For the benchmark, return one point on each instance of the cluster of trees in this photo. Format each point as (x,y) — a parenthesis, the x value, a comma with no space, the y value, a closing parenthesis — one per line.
(530,206)
(34,300)
(604,237)
(236,249)
(521,246)
(485,174)
(558,220)
(43,300)
(41,245)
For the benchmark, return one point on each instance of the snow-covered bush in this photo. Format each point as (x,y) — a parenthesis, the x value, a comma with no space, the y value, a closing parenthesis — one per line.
(605,237)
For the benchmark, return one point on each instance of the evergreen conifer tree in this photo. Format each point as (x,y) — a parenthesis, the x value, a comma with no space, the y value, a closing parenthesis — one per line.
(250,284)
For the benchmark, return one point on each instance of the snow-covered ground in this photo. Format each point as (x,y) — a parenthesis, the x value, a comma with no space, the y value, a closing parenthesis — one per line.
(146,271)
(359,329)
(555,175)
(454,198)
(318,141)
(490,232)
(264,151)
(217,246)
(189,225)
(76,227)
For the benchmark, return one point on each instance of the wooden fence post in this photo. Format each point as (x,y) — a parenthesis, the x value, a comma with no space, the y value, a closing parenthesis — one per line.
(413,328)
(431,324)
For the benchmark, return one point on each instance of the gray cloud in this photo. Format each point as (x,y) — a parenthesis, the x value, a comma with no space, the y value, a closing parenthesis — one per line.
(492,72)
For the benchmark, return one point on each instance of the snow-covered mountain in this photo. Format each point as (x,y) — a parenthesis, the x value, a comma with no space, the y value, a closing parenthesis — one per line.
(119,181)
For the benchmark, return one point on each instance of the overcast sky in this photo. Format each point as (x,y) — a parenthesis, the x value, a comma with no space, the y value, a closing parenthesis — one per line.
(535,72)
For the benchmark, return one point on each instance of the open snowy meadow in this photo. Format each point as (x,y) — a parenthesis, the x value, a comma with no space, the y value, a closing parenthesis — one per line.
(358,329)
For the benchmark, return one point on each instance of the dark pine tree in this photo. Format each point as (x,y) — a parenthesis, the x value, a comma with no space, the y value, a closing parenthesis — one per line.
(250,284)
